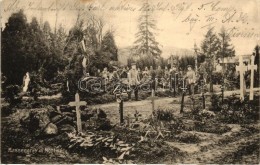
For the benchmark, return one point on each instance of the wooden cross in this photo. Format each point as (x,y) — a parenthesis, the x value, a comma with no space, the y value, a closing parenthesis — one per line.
(77,104)
(202,92)
(152,98)
(241,68)
(252,67)
(184,88)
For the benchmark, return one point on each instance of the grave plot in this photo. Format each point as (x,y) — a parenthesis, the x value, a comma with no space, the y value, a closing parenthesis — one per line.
(130,132)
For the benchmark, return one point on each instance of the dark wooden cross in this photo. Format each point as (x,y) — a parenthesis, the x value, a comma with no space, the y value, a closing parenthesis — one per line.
(152,99)
(120,101)
(184,88)
(202,87)
(77,103)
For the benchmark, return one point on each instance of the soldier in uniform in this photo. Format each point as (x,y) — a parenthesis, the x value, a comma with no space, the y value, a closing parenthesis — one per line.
(159,76)
(152,75)
(134,81)
(190,79)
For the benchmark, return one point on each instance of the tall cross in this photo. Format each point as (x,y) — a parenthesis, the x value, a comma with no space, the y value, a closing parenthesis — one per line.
(152,98)
(252,67)
(241,68)
(184,88)
(77,103)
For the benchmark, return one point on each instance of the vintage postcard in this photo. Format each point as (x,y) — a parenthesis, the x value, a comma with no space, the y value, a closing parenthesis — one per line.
(130,81)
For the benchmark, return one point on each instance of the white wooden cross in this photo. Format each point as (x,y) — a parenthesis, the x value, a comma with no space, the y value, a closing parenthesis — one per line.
(241,68)
(252,67)
(77,104)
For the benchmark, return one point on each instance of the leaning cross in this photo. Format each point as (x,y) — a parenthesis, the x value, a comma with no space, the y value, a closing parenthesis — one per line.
(77,104)
(241,68)
(252,67)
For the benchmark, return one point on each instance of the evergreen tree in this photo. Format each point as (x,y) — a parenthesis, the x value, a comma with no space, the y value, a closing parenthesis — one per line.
(210,47)
(14,47)
(109,45)
(227,50)
(146,43)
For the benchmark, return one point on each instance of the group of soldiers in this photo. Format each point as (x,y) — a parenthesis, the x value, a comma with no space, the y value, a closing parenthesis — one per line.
(166,78)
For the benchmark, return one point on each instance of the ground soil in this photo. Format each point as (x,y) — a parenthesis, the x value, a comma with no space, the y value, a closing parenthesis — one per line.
(240,144)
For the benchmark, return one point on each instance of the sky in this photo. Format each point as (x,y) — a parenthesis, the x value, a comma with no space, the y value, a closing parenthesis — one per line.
(180,23)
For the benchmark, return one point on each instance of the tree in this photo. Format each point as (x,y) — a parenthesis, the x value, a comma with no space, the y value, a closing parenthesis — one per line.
(14,47)
(186,60)
(210,47)
(146,43)
(108,45)
(227,49)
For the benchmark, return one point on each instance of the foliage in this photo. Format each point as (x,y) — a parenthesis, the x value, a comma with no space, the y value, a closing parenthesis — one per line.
(163,114)
(146,43)
(109,46)
(186,60)
(215,102)
(97,142)
(227,50)
(217,78)
(33,48)
(210,47)
(12,95)
(235,111)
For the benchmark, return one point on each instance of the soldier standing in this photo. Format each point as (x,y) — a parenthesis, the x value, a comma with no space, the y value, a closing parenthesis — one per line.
(134,81)
(191,77)
(174,80)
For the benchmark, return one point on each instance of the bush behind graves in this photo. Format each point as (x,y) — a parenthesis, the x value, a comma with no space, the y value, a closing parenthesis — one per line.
(211,126)
(215,103)
(163,114)
(235,111)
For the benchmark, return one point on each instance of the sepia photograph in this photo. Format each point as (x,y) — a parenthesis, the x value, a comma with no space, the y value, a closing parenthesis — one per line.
(130,81)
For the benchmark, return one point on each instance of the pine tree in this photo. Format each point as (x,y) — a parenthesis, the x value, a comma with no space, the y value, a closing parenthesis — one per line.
(14,41)
(146,43)
(109,45)
(227,49)
(210,48)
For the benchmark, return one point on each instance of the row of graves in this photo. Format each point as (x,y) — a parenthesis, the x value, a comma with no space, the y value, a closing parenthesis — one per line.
(133,133)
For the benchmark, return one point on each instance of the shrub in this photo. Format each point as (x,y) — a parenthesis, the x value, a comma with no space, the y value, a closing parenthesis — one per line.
(215,102)
(217,77)
(188,137)
(12,95)
(163,114)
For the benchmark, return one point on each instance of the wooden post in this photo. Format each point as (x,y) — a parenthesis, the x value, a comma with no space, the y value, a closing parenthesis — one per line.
(222,92)
(252,67)
(241,68)
(184,88)
(121,111)
(152,98)
(77,104)
(202,94)
(120,101)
